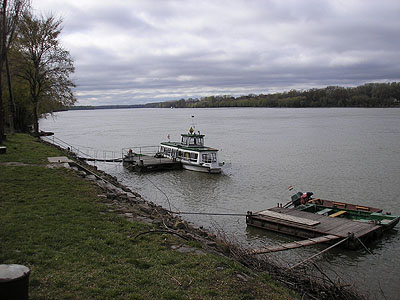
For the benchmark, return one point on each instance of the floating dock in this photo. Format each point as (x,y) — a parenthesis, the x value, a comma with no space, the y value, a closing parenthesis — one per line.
(316,228)
(147,163)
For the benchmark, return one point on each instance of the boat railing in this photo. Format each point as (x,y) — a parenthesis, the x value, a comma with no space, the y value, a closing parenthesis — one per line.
(141,150)
(83,152)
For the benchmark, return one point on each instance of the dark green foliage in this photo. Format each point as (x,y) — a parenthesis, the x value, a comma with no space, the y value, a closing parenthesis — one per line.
(367,95)
(40,70)
(45,65)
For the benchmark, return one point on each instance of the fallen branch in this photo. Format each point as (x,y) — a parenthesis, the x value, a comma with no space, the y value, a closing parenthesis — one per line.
(160,231)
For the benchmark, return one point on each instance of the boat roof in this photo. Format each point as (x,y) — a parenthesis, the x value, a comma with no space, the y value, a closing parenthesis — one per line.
(193,135)
(191,148)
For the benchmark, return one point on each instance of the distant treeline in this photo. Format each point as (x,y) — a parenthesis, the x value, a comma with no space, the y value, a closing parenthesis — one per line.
(367,95)
(88,107)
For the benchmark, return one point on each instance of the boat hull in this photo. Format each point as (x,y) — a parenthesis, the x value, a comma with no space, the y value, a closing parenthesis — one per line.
(199,168)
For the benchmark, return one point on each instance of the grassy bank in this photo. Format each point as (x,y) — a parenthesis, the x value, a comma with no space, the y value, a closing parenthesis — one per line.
(54,222)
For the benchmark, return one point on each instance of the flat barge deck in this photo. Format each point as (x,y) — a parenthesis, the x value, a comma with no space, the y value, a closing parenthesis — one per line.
(309,225)
(147,163)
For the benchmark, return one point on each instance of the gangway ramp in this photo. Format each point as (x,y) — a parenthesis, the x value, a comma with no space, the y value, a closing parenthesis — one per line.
(296,244)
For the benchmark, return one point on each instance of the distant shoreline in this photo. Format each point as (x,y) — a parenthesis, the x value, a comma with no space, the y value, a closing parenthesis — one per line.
(144,106)
(89,107)
(367,95)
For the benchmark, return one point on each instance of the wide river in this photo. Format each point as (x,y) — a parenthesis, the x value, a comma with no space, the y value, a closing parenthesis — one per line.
(350,155)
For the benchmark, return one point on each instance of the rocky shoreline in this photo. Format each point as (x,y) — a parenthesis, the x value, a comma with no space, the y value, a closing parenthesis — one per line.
(132,206)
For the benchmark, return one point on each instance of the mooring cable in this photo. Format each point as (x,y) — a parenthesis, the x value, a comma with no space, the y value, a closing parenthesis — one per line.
(169,204)
(207,213)
(323,251)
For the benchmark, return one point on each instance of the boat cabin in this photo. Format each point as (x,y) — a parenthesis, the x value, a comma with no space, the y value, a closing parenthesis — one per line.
(192,153)
(192,140)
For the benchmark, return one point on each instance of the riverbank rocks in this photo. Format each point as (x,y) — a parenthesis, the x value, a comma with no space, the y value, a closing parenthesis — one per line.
(91,177)
(179,224)
(243,277)
(186,249)
(131,205)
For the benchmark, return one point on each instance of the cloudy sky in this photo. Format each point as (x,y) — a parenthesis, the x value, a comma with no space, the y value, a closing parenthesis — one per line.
(139,51)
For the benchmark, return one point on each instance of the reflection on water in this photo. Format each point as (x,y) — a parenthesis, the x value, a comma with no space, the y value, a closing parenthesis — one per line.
(350,155)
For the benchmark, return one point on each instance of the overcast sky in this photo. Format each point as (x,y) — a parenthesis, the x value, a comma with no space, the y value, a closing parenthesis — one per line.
(139,51)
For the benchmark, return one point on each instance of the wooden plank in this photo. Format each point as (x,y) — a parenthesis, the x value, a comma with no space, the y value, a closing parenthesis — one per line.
(296,244)
(339,213)
(343,229)
(286,217)
(362,207)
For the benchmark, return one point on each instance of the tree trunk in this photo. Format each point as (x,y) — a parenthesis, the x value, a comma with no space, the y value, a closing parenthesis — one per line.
(2,58)
(11,103)
(1,110)
(35,119)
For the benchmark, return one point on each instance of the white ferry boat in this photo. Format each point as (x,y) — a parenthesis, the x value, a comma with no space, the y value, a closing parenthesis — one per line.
(192,153)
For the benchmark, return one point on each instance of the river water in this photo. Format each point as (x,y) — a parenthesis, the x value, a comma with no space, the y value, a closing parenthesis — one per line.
(342,154)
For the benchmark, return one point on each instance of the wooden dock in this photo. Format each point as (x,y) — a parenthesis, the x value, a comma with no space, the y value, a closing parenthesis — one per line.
(146,163)
(310,226)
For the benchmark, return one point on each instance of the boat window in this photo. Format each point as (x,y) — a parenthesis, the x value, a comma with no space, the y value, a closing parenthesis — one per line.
(209,157)
(185,140)
(185,156)
(193,156)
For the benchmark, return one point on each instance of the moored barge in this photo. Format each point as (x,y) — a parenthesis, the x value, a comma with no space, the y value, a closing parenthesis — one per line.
(318,218)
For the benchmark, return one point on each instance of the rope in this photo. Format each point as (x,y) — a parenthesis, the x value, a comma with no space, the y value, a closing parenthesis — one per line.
(169,204)
(364,245)
(207,213)
(323,251)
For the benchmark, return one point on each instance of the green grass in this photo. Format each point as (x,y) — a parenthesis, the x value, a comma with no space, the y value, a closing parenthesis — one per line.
(27,149)
(52,221)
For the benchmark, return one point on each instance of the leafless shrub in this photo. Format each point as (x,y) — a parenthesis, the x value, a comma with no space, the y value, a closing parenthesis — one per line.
(309,281)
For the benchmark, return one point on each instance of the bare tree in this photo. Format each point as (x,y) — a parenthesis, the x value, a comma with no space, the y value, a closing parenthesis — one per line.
(46,65)
(10,14)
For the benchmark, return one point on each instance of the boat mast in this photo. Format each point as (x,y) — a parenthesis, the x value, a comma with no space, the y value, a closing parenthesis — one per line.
(193,125)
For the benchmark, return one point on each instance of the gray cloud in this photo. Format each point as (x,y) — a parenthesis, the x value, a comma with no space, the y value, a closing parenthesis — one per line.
(144,51)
